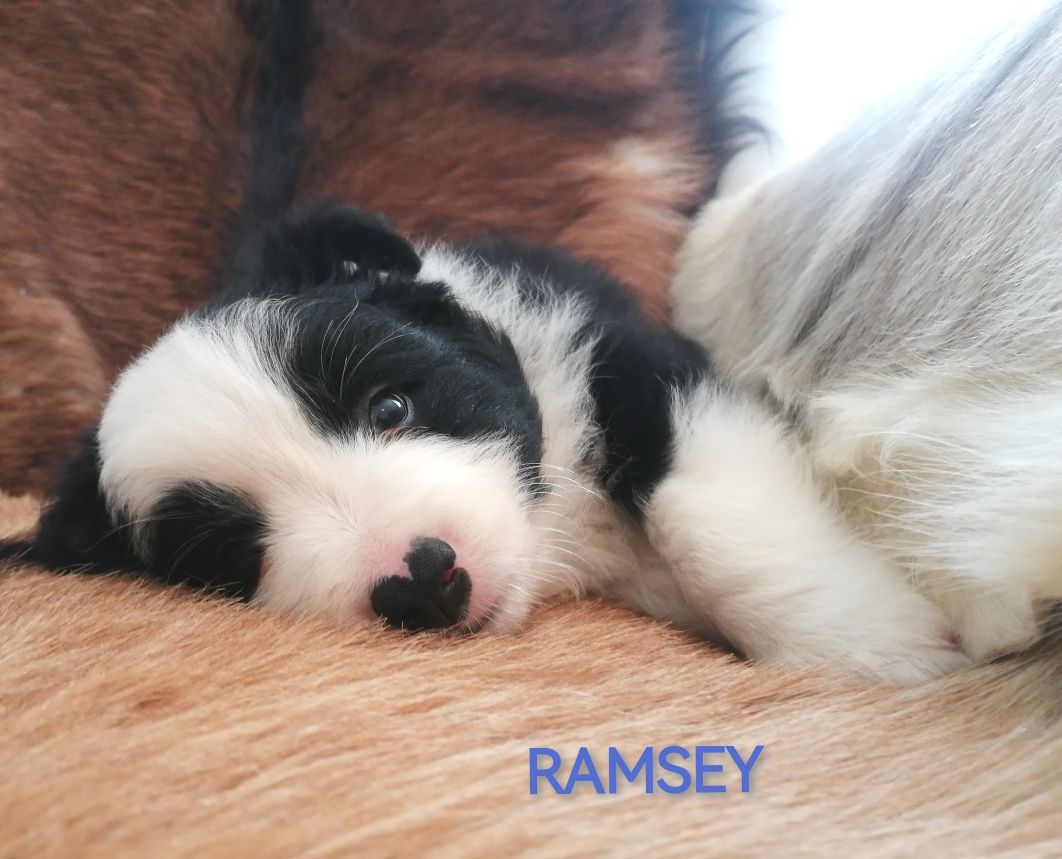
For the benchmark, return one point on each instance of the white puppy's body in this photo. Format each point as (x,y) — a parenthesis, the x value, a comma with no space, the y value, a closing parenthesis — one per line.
(900,295)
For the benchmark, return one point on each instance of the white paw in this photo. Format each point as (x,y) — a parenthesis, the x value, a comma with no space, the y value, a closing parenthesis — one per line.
(903,640)
(991,621)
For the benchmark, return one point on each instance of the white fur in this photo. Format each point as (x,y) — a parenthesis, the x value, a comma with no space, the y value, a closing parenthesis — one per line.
(759,549)
(902,293)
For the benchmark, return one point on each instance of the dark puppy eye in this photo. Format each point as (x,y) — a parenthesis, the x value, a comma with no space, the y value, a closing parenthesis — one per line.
(388,410)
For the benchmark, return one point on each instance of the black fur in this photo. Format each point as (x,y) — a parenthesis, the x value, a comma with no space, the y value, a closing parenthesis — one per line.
(460,374)
(76,531)
(318,244)
(283,30)
(712,30)
(637,365)
(197,534)
(207,537)
(16,552)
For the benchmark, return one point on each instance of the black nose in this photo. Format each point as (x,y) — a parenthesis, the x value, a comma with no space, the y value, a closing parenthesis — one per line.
(435,597)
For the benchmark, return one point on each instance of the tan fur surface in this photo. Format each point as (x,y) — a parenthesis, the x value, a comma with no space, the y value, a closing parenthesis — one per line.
(141,721)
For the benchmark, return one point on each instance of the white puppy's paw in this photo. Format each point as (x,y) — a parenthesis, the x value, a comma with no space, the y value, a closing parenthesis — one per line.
(991,621)
(904,639)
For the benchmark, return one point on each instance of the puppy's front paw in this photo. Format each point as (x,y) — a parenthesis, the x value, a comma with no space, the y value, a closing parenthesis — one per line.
(901,640)
(991,621)
(911,659)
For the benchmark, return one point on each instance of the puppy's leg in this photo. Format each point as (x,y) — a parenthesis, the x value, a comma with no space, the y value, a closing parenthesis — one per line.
(759,551)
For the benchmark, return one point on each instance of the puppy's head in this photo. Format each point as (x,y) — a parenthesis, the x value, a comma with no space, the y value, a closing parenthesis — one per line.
(363,447)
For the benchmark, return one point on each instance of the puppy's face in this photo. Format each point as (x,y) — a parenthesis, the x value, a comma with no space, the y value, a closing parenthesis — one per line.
(365,448)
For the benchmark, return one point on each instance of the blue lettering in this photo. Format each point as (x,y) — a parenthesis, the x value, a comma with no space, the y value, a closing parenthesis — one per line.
(704,768)
(537,772)
(584,761)
(745,766)
(666,764)
(617,763)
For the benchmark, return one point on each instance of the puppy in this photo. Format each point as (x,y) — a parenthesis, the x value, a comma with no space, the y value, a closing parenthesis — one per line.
(898,296)
(441,438)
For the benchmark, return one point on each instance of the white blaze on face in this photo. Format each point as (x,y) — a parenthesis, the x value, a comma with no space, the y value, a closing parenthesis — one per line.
(208,404)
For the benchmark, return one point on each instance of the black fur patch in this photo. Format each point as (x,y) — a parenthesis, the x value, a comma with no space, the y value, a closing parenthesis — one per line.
(197,534)
(16,551)
(637,365)
(460,375)
(286,38)
(207,537)
(315,245)
(76,530)
(375,328)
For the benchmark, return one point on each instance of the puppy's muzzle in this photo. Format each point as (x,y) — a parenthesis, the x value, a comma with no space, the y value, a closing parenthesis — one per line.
(435,595)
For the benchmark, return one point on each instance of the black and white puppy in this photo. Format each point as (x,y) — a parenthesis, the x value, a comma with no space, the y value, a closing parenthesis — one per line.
(442,438)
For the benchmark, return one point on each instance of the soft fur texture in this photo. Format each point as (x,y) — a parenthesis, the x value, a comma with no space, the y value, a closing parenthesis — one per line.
(897,295)
(543,439)
(129,137)
(148,721)
(144,720)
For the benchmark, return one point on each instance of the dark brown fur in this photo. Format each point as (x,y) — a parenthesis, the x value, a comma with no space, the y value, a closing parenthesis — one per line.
(126,143)
(121,162)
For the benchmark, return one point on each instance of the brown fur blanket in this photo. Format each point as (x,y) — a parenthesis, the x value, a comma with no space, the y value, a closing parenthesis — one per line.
(138,721)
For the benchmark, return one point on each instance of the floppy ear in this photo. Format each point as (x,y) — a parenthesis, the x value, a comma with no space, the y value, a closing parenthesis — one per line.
(425,302)
(76,530)
(316,245)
